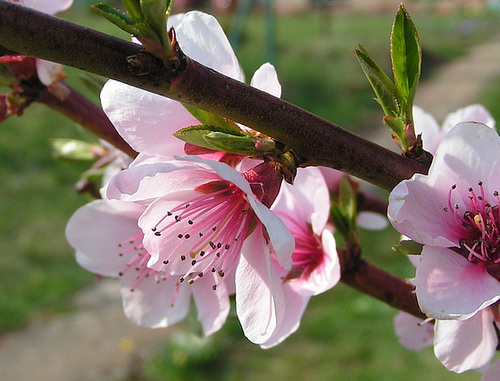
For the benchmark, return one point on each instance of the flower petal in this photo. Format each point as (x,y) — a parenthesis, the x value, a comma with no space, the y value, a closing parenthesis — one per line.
(213,306)
(201,37)
(259,295)
(153,304)
(471,113)
(145,120)
(96,229)
(465,344)
(48,6)
(413,333)
(295,307)
(426,125)
(448,286)
(266,79)
(149,181)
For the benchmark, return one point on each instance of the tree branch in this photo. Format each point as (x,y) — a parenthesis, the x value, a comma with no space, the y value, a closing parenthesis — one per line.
(316,140)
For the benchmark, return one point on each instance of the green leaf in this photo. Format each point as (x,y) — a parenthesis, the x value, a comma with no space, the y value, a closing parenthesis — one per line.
(385,91)
(133,8)
(209,119)
(339,221)
(219,139)
(408,247)
(155,14)
(121,20)
(406,55)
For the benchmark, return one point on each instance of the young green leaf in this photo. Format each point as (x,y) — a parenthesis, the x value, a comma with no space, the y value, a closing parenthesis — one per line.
(406,57)
(219,139)
(408,247)
(385,91)
(121,20)
(207,118)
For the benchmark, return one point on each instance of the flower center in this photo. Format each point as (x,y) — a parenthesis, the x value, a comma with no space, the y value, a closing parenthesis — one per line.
(205,233)
(477,222)
(308,254)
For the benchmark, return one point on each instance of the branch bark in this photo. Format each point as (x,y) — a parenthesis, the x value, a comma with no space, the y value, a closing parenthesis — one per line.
(316,140)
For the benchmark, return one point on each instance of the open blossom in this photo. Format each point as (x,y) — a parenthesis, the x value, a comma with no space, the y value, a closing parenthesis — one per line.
(454,212)
(146,120)
(304,208)
(108,242)
(432,133)
(203,218)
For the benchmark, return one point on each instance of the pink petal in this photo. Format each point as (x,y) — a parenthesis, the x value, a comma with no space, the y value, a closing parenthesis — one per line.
(448,286)
(213,306)
(96,229)
(149,181)
(306,199)
(371,221)
(152,304)
(461,156)
(465,344)
(416,211)
(260,302)
(412,332)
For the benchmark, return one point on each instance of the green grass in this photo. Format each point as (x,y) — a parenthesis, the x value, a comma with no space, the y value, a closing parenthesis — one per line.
(344,335)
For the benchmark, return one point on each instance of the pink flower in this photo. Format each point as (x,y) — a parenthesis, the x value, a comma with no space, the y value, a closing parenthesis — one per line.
(453,211)
(108,242)
(203,218)
(146,120)
(432,133)
(304,208)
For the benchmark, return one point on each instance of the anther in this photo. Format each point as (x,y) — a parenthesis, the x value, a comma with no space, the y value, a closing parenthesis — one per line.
(183,257)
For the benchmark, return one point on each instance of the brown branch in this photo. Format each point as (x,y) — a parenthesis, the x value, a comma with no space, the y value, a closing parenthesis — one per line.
(364,277)
(316,140)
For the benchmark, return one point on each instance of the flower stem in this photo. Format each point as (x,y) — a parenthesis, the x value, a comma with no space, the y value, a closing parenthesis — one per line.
(316,140)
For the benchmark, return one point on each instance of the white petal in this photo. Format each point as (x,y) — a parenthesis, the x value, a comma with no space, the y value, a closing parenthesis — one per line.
(48,6)
(371,221)
(266,79)
(426,125)
(202,38)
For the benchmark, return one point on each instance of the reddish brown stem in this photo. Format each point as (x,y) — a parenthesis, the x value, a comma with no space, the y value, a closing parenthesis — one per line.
(371,280)
(81,110)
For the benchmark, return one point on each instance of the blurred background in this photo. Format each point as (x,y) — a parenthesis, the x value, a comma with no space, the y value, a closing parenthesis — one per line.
(59,316)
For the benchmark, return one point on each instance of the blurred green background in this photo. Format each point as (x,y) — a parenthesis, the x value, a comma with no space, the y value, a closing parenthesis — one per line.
(344,335)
